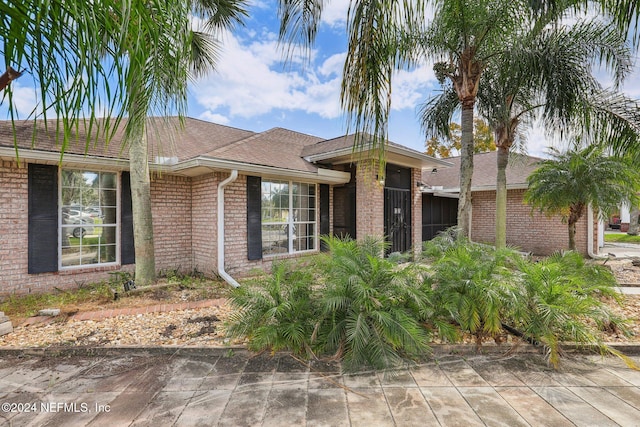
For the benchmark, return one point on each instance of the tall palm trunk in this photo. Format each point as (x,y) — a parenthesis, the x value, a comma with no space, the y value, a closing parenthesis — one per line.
(466,82)
(501,195)
(141,206)
(466,169)
(575,213)
(633,221)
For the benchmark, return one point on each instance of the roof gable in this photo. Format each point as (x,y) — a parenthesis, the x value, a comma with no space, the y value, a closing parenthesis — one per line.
(485,172)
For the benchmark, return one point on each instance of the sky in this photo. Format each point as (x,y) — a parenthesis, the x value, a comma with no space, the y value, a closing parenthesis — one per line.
(253,89)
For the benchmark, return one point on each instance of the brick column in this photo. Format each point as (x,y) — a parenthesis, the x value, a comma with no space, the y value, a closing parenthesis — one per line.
(369,200)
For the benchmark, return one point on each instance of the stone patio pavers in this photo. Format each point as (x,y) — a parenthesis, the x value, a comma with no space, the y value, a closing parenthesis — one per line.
(533,408)
(216,388)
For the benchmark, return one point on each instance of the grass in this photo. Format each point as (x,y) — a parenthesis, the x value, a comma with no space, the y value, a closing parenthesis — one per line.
(100,295)
(621,238)
(28,305)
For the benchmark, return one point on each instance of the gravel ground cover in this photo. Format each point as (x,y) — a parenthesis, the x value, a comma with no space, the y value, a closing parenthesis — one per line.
(203,327)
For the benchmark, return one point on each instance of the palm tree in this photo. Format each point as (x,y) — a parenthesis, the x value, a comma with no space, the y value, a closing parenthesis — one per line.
(60,44)
(567,184)
(162,53)
(462,38)
(151,48)
(548,75)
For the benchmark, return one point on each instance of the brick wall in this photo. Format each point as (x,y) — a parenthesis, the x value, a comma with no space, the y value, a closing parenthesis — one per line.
(236,262)
(172,228)
(369,201)
(172,223)
(204,223)
(14,207)
(530,231)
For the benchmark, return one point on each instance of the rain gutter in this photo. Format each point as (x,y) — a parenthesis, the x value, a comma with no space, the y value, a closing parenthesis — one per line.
(221,271)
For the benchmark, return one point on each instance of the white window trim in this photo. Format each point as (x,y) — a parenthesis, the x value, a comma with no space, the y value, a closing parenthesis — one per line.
(290,222)
(118,221)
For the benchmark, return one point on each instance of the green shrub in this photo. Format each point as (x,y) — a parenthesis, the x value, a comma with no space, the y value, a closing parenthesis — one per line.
(472,283)
(276,312)
(370,307)
(368,311)
(560,299)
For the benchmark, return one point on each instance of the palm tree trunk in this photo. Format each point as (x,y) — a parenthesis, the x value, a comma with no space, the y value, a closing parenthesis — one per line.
(572,235)
(141,206)
(466,169)
(633,221)
(501,196)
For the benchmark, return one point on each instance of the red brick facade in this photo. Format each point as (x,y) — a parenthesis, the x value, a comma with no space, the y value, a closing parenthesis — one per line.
(15,278)
(204,219)
(172,222)
(185,227)
(369,201)
(529,231)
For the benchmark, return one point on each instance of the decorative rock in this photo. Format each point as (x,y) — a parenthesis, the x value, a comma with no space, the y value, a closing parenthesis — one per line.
(49,312)
(5,327)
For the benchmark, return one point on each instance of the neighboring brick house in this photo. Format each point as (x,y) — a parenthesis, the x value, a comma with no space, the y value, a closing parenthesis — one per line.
(528,230)
(225,201)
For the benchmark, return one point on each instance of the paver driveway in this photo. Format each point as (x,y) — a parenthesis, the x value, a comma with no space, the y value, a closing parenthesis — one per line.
(209,387)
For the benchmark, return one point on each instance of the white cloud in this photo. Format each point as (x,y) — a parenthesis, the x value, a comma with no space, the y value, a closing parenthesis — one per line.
(251,80)
(335,12)
(332,66)
(410,87)
(215,118)
(24,99)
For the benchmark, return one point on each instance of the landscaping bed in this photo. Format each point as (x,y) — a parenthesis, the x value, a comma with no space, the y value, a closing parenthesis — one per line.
(202,327)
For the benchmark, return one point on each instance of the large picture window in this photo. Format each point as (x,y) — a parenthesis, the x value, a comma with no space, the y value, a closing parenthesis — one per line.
(88,218)
(288,217)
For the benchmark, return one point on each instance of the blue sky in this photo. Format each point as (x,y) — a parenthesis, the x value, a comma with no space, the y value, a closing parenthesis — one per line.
(252,89)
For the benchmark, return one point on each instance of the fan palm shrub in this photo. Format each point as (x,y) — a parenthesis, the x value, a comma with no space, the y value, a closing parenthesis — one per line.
(561,299)
(471,283)
(277,312)
(370,307)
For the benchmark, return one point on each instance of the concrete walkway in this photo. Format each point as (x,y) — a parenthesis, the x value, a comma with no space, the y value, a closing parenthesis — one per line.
(223,387)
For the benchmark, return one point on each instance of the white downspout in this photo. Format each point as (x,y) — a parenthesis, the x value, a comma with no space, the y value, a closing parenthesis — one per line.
(590,251)
(221,272)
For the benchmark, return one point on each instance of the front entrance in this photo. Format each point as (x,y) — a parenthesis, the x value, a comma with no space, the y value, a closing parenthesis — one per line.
(397,208)
(397,219)
(438,214)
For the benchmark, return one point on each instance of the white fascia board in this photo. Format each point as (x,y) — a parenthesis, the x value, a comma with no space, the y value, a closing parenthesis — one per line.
(68,159)
(325,176)
(431,161)
(321,175)
(493,187)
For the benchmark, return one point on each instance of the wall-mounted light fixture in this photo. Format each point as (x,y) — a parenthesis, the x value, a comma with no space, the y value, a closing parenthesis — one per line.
(434,170)
(422,186)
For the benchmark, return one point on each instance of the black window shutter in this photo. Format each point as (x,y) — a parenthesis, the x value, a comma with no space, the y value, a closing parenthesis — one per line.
(254,218)
(324,214)
(127,248)
(43,218)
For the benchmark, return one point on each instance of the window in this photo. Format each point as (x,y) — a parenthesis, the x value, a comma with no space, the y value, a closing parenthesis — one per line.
(288,217)
(88,218)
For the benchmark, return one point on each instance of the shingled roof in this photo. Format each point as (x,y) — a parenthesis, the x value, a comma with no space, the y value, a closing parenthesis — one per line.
(167,138)
(195,147)
(484,172)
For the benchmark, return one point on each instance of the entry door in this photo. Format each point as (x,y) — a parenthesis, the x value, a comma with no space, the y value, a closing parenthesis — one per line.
(438,214)
(344,211)
(397,219)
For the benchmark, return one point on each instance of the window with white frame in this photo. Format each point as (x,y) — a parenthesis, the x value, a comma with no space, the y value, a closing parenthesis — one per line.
(288,217)
(88,218)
